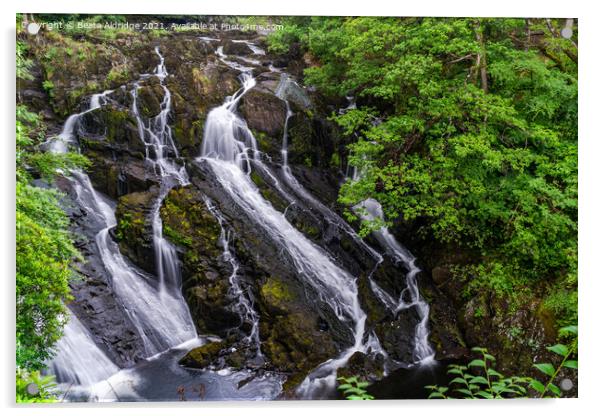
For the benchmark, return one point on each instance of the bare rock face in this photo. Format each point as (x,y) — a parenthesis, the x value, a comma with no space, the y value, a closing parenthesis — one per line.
(264,112)
(236,48)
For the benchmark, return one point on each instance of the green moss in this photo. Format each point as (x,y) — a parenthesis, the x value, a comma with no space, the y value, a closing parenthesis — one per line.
(202,356)
(131,225)
(310,230)
(275,293)
(115,121)
(48,87)
(176,237)
(118,75)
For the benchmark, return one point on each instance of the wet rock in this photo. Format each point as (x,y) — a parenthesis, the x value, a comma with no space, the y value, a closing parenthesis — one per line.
(264,112)
(188,223)
(365,367)
(440,274)
(150,98)
(203,356)
(134,228)
(94,302)
(112,127)
(397,336)
(117,177)
(236,48)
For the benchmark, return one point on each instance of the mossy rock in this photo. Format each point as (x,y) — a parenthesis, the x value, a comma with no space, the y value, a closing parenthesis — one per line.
(149,100)
(188,224)
(363,366)
(187,221)
(294,342)
(134,228)
(270,194)
(372,306)
(276,296)
(203,356)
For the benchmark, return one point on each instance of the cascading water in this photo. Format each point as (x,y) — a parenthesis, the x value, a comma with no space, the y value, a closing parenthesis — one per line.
(228,145)
(158,310)
(144,303)
(243,306)
(370,210)
(60,143)
(157,136)
(78,359)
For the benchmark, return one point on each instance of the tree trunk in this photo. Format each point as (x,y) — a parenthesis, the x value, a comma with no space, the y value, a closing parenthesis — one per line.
(482,57)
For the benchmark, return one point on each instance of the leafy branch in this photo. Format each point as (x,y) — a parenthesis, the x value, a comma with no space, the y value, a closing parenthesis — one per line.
(479,380)
(354,389)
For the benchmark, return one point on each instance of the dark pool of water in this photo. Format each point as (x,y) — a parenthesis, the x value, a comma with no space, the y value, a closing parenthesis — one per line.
(409,383)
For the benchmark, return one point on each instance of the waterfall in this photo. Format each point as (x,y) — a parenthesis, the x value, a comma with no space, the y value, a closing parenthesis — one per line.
(157,136)
(162,319)
(78,359)
(254,48)
(369,210)
(228,145)
(243,306)
(60,143)
(145,305)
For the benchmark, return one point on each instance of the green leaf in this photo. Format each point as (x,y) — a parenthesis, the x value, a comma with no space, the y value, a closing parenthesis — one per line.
(536,385)
(559,349)
(459,380)
(466,392)
(436,395)
(554,389)
(571,329)
(546,368)
(484,394)
(489,357)
(492,373)
(479,380)
(571,364)
(477,363)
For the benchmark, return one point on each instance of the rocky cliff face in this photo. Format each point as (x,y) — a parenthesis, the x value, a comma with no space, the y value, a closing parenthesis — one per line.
(297,331)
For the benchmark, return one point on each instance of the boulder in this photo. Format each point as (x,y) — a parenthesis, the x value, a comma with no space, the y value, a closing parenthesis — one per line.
(188,224)
(264,112)
(363,366)
(134,228)
(236,48)
(203,356)
(149,99)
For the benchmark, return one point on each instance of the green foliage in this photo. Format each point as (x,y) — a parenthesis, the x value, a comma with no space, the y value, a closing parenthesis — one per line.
(292,31)
(354,389)
(44,248)
(30,133)
(43,256)
(480,380)
(118,75)
(23,64)
(43,384)
(48,87)
(568,355)
(488,167)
